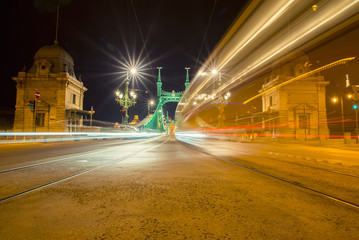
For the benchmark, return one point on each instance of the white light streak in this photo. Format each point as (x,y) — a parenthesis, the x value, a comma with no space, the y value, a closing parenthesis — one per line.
(285,29)
(70,136)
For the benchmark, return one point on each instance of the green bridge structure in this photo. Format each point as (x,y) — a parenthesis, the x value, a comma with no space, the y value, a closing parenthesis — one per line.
(158,121)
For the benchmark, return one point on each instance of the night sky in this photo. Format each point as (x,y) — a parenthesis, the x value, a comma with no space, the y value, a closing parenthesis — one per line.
(98,34)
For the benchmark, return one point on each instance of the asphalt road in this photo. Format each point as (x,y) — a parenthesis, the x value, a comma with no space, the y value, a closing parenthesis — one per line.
(163,188)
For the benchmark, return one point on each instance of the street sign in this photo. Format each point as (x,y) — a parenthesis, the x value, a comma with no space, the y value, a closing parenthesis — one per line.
(37,94)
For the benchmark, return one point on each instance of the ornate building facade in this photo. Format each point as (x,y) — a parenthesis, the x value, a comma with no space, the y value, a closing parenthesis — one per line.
(60,105)
(298,109)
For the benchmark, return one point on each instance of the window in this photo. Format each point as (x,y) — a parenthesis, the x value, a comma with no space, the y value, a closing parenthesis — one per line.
(74,98)
(303,121)
(40,119)
(271,101)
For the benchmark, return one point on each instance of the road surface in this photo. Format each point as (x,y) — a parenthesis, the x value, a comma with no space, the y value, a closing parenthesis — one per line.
(186,188)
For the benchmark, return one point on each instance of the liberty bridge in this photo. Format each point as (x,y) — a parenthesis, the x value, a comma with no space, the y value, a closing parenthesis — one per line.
(158,121)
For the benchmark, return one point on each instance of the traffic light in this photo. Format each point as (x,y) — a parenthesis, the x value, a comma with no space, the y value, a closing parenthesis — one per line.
(355,106)
(31,104)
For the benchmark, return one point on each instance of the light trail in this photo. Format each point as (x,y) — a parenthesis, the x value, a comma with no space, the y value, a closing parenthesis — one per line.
(247,53)
(330,65)
(266,25)
(70,136)
(301,36)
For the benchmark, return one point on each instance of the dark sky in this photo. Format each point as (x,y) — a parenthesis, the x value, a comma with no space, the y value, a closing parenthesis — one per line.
(95,33)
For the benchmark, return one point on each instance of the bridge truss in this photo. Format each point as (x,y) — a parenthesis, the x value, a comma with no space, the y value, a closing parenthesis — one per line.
(158,121)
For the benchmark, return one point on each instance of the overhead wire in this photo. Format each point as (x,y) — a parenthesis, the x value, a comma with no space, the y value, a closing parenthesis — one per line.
(205,33)
(143,40)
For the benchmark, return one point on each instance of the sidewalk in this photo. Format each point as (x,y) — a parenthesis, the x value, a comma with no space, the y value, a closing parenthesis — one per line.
(326,143)
(329,151)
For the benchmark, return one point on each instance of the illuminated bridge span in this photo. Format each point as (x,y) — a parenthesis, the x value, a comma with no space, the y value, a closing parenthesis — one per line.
(158,121)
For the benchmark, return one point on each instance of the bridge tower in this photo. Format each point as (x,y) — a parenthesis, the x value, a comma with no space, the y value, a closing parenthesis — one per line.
(187,77)
(158,121)
(159,83)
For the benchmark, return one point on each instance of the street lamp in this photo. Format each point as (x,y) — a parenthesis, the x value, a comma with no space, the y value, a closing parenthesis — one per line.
(355,97)
(133,70)
(220,101)
(335,100)
(124,99)
(150,103)
(355,107)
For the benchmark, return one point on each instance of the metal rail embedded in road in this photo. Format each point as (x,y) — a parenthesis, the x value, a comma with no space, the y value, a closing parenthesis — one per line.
(294,183)
(13,196)
(289,162)
(63,158)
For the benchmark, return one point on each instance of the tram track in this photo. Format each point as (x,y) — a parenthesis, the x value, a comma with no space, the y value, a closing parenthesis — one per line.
(38,187)
(286,180)
(67,157)
(288,162)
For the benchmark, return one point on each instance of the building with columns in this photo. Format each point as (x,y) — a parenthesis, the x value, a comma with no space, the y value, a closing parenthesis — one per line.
(297,109)
(60,105)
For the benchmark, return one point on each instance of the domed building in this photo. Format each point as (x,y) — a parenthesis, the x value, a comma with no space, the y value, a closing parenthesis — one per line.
(59,106)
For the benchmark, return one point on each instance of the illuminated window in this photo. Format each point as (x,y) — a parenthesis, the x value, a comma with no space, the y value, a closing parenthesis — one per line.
(40,119)
(74,98)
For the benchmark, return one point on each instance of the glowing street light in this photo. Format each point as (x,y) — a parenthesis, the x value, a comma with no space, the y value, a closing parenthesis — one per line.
(124,99)
(335,100)
(133,70)
(150,103)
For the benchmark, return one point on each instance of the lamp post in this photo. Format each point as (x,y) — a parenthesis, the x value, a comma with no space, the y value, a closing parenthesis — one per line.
(355,97)
(221,101)
(124,99)
(355,107)
(150,103)
(335,100)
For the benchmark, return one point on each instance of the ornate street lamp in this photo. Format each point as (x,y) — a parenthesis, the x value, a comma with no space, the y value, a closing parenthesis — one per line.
(220,101)
(124,99)
(150,103)
(335,100)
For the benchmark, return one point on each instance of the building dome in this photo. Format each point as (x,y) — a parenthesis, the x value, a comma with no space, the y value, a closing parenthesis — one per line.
(53,51)
(58,60)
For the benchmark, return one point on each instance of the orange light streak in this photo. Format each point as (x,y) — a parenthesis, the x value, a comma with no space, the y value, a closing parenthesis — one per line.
(330,65)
